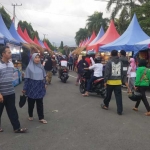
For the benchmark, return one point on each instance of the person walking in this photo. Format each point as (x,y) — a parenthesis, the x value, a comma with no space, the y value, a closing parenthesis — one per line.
(34,87)
(70,63)
(113,81)
(125,64)
(131,74)
(80,66)
(142,82)
(7,93)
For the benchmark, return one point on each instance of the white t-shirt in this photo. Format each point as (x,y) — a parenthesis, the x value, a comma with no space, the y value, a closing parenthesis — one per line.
(98,69)
(130,73)
(63,63)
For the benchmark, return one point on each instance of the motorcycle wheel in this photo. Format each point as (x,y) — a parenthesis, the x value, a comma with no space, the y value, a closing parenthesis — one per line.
(82,88)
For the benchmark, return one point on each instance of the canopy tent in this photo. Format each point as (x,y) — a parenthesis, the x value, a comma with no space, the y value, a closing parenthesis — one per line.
(27,35)
(1,38)
(36,41)
(80,43)
(15,34)
(142,45)
(132,35)
(19,30)
(93,36)
(99,35)
(41,43)
(45,44)
(7,36)
(84,43)
(110,35)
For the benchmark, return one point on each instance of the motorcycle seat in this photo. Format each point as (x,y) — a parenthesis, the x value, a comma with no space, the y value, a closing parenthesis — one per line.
(98,80)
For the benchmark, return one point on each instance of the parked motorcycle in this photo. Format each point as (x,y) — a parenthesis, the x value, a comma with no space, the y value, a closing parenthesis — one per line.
(97,85)
(64,75)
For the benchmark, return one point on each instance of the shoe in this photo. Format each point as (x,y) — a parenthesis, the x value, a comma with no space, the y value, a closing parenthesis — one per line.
(104,107)
(135,109)
(119,113)
(147,114)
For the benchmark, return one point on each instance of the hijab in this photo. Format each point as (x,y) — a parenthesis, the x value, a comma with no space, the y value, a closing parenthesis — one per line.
(133,64)
(35,71)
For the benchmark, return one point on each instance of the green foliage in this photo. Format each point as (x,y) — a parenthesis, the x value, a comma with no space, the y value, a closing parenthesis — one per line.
(81,35)
(95,21)
(61,45)
(29,28)
(143,15)
(6,17)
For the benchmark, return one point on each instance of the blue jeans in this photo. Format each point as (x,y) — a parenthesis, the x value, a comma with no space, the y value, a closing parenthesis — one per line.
(93,78)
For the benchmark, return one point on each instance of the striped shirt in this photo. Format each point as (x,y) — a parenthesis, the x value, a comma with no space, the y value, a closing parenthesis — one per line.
(6,78)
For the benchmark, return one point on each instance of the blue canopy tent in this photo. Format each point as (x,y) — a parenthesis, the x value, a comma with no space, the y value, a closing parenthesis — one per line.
(142,45)
(15,34)
(99,35)
(126,41)
(1,38)
(7,36)
(41,43)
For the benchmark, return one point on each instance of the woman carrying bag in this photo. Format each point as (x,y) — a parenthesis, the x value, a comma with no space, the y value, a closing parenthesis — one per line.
(141,83)
(34,87)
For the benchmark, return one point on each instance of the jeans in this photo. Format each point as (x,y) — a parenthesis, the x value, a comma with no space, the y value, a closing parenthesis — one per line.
(9,103)
(142,90)
(39,106)
(93,78)
(118,96)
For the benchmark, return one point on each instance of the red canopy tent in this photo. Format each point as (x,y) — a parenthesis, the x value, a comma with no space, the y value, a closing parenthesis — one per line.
(45,44)
(93,36)
(36,41)
(19,30)
(110,35)
(27,35)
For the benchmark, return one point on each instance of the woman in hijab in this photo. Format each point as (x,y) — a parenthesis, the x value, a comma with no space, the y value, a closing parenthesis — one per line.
(34,87)
(131,74)
(142,82)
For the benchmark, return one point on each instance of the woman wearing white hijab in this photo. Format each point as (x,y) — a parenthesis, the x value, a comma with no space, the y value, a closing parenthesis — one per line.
(34,87)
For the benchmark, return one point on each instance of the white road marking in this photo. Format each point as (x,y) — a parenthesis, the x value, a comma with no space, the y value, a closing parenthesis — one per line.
(72,76)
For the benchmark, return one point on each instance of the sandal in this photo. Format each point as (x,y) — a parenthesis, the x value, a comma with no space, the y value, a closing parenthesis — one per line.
(147,114)
(135,109)
(43,121)
(104,107)
(30,118)
(1,130)
(22,130)
(85,95)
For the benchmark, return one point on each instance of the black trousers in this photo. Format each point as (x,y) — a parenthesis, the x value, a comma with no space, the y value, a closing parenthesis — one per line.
(142,90)
(118,96)
(9,103)
(70,66)
(39,106)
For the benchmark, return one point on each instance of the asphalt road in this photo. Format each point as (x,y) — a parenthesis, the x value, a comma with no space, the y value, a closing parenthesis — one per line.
(78,123)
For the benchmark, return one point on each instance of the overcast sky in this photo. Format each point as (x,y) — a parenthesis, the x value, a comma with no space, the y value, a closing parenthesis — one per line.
(60,19)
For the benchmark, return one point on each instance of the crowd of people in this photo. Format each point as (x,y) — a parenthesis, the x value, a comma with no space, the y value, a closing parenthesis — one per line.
(117,71)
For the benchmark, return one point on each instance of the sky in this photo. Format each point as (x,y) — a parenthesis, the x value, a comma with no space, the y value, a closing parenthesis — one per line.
(59,19)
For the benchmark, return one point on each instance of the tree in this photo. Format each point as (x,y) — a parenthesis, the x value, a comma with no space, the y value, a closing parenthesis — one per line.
(81,35)
(61,45)
(129,5)
(143,15)
(95,21)
(122,22)
(6,17)
(29,28)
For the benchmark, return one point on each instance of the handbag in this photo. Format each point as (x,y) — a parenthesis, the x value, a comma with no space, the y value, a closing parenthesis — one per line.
(23,99)
(136,95)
